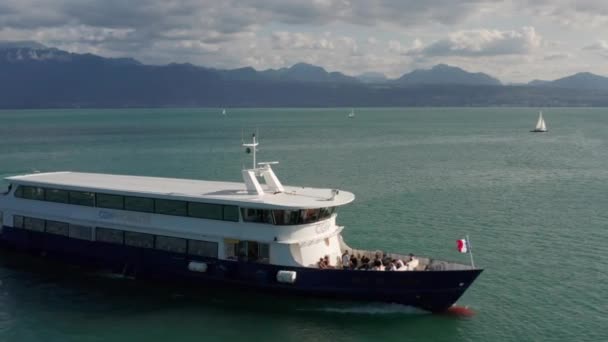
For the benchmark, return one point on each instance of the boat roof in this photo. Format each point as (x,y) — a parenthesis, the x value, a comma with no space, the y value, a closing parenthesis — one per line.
(187,189)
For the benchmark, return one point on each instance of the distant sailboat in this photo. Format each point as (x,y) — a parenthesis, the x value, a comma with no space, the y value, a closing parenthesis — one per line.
(224,111)
(541,127)
(351,114)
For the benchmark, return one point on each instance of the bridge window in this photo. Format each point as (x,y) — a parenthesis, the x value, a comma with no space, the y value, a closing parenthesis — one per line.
(170,207)
(59,228)
(309,215)
(56,195)
(257,215)
(304,216)
(286,217)
(110,201)
(171,244)
(145,205)
(325,213)
(82,198)
(202,248)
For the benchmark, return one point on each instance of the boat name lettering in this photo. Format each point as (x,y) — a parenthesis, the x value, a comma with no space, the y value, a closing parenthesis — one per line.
(130,217)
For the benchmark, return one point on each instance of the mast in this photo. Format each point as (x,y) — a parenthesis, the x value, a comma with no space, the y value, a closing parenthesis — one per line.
(253,149)
(253,185)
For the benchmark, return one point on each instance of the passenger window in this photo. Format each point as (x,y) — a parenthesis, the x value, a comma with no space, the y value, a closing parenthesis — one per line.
(231,213)
(202,248)
(171,244)
(230,249)
(34,224)
(139,239)
(17,221)
(110,201)
(80,232)
(263,253)
(171,207)
(82,198)
(204,210)
(58,228)
(109,235)
(141,204)
(56,195)
(253,251)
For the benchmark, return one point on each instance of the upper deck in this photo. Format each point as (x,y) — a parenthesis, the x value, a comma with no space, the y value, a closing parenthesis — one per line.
(189,189)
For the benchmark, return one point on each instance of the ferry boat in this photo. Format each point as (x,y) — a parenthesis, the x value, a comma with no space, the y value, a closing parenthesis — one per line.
(256,235)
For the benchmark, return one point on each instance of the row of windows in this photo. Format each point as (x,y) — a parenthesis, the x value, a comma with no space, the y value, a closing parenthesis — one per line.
(134,239)
(286,217)
(54,227)
(131,203)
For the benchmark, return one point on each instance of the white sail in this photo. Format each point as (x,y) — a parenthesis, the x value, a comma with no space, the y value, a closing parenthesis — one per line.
(543,127)
(224,111)
(352,113)
(540,124)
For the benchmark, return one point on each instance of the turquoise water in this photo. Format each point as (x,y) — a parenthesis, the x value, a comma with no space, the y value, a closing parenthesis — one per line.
(534,206)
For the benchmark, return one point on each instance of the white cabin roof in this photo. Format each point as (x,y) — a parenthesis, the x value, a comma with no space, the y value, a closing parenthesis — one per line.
(187,189)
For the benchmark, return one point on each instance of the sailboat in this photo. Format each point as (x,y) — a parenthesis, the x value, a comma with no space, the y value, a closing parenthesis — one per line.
(224,111)
(351,114)
(541,127)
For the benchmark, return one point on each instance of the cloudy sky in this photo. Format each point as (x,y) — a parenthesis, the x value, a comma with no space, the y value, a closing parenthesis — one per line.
(516,40)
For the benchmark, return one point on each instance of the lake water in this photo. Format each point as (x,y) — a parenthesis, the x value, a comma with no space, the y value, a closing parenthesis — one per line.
(534,205)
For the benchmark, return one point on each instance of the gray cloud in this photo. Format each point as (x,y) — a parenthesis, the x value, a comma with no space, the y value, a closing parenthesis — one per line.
(333,33)
(477,43)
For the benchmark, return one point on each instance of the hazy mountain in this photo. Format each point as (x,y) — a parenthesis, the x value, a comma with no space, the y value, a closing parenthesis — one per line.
(445,74)
(18,52)
(582,80)
(372,77)
(34,76)
(537,82)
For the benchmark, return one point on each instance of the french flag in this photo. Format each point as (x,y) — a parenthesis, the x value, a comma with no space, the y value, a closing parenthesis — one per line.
(463,246)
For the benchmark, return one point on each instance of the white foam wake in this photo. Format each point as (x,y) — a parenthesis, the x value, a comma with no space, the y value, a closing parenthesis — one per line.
(372,309)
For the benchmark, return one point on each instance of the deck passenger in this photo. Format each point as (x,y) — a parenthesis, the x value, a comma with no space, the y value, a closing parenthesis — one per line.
(345,260)
(412,263)
(400,266)
(354,262)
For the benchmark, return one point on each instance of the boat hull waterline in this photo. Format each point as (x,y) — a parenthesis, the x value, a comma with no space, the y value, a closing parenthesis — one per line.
(434,291)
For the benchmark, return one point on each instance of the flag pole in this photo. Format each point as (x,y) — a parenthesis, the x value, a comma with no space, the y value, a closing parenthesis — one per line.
(470,251)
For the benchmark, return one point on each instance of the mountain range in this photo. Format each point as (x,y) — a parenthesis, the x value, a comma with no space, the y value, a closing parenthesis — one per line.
(36,76)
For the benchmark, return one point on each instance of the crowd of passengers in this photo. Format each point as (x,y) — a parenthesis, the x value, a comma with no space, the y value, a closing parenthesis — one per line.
(381,262)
